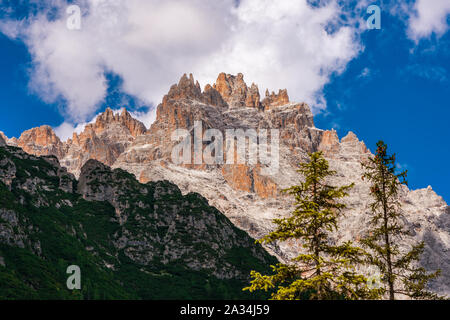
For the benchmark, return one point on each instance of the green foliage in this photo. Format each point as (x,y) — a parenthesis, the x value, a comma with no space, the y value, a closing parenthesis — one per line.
(324,270)
(399,272)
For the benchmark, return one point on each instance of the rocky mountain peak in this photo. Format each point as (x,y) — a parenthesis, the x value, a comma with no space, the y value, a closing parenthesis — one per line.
(348,148)
(234,91)
(237,94)
(228,91)
(329,143)
(350,138)
(185,89)
(108,118)
(103,140)
(41,141)
(9,141)
(273,100)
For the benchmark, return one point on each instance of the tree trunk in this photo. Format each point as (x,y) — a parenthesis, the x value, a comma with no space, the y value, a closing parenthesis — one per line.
(387,241)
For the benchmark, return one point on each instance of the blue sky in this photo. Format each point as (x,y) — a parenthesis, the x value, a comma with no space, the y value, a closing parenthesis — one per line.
(403,100)
(391,84)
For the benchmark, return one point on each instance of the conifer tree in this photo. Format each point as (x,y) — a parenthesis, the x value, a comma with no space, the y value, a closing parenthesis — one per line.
(399,273)
(323,270)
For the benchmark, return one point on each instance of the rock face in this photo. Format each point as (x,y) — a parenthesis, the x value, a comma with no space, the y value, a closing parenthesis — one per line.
(275,100)
(235,92)
(103,140)
(41,141)
(131,236)
(10,142)
(249,193)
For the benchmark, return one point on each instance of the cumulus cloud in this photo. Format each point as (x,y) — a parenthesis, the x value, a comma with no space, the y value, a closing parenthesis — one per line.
(427,17)
(286,43)
(151,43)
(147,118)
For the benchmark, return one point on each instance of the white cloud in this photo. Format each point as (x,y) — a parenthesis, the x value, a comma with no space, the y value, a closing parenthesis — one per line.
(151,43)
(147,118)
(284,43)
(429,16)
(65,130)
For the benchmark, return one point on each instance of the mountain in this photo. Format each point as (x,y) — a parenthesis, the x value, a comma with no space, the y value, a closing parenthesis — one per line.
(104,140)
(130,240)
(249,193)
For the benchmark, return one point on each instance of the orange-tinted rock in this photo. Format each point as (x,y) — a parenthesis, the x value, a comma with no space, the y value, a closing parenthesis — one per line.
(294,122)
(350,137)
(212,97)
(3,139)
(108,118)
(144,178)
(235,92)
(185,89)
(253,98)
(352,140)
(244,178)
(238,176)
(275,100)
(264,186)
(349,148)
(223,86)
(41,141)
(329,143)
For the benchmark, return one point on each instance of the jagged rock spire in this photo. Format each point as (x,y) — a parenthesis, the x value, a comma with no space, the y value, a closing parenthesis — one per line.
(228,90)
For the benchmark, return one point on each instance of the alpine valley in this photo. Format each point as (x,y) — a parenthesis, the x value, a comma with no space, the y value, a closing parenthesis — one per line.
(112,201)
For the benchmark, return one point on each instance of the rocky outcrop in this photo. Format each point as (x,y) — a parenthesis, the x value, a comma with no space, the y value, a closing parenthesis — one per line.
(185,89)
(329,143)
(235,92)
(7,172)
(11,142)
(108,118)
(273,100)
(104,140)
(41,141)
(212,97)
(30,178)
(349,148)
(244,178)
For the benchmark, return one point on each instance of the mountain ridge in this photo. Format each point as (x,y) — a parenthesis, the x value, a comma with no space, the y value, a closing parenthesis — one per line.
(243,192)
(130,240)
